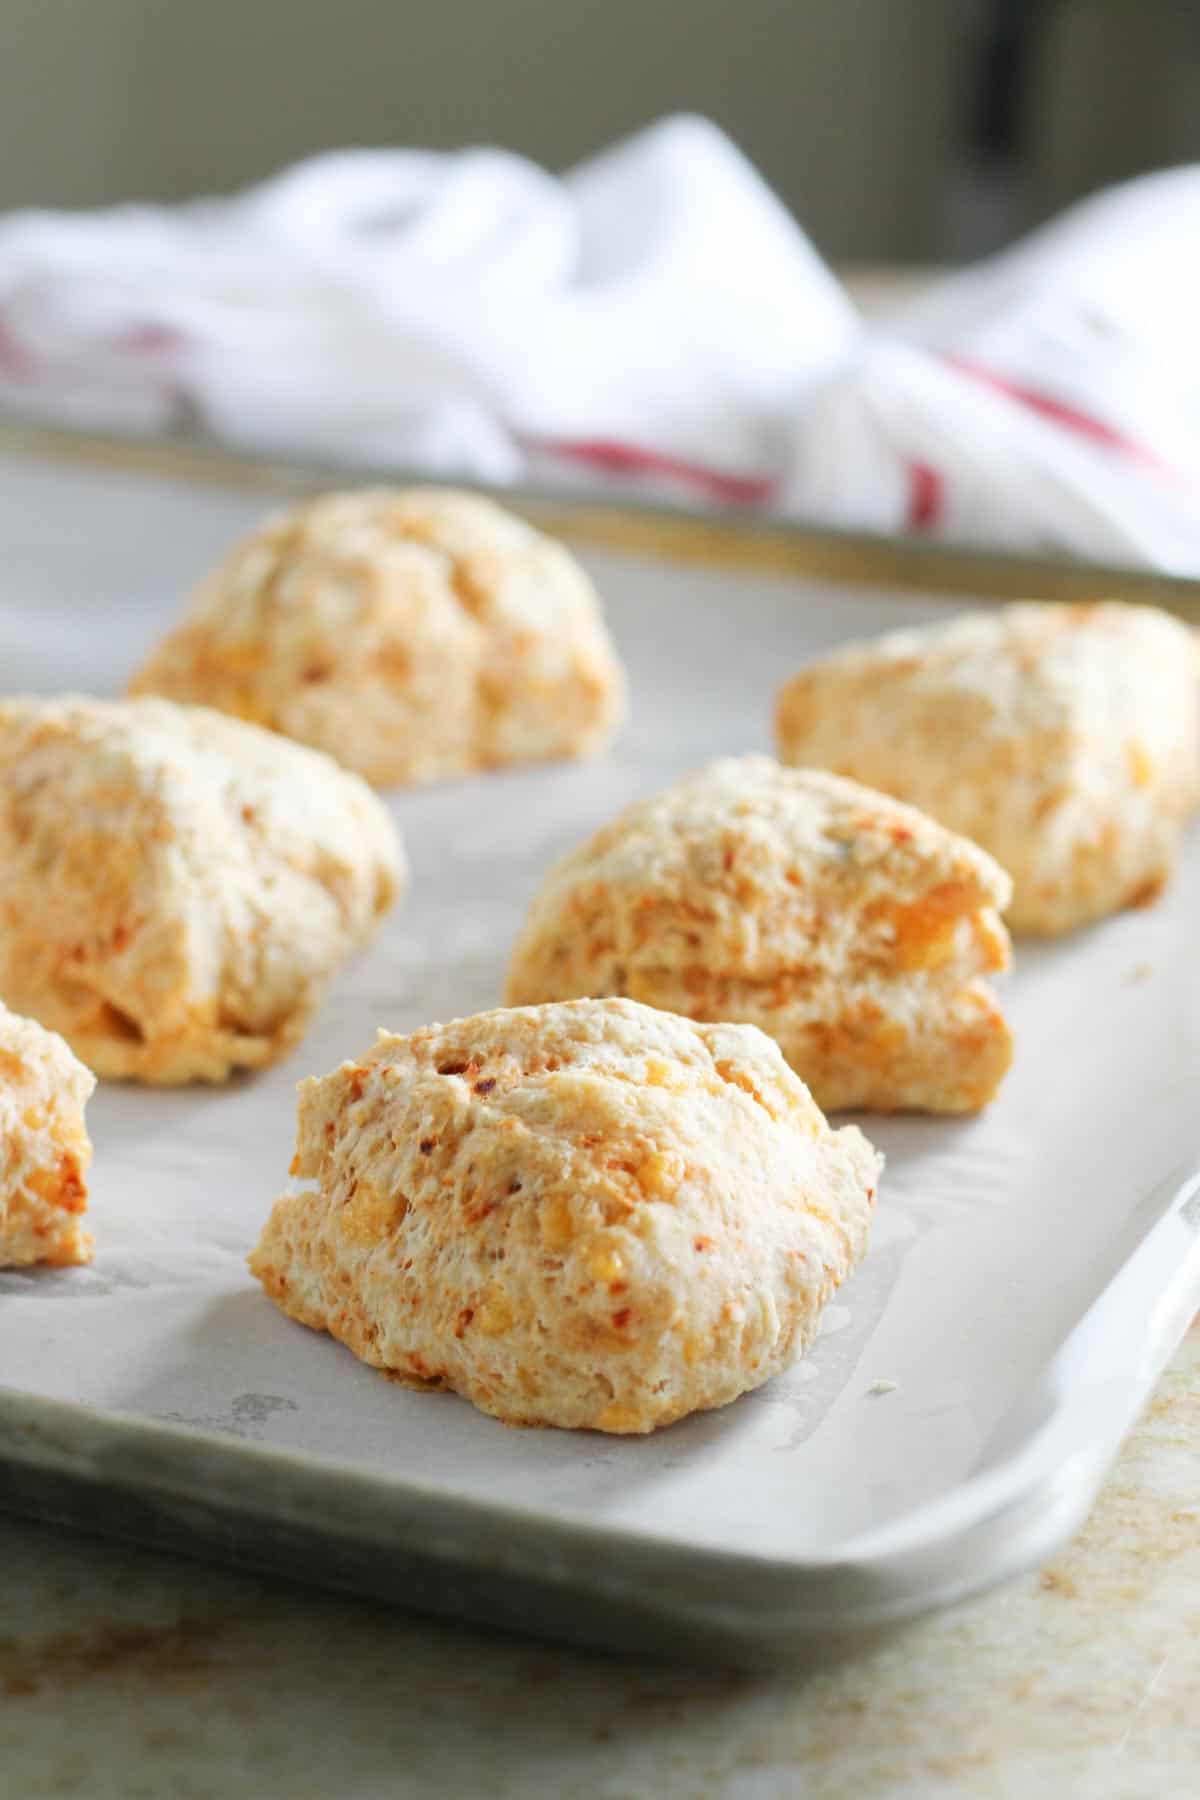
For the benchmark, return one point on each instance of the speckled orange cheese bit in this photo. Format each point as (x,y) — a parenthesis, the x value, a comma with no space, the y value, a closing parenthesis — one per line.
(178,888)
(1063,739)
(585,1215)
(413,633)
(852,929)
(44,1147)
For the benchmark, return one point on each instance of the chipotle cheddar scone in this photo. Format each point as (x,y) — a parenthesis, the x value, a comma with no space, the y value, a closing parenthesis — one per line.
(177,888)
(587,1215)
(46,1150)
(852,929)
(1063,739)
(413,633)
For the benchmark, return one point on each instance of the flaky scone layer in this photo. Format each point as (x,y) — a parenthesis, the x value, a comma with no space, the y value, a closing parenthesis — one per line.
(852,929)
(587,1215)
(1063,739)
(44,1146)
(176,887)
(414,634)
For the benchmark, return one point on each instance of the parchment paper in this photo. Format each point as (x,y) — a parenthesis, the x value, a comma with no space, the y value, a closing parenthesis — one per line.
(993,1235)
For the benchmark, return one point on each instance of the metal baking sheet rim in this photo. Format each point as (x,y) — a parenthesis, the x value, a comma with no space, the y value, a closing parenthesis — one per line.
(631,524)
(271,1509)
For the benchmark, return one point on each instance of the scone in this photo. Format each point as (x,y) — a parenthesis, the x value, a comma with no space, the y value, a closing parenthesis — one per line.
(413,634)
(176,887)
(852,929)
(43,1190)
(590,1215)
(1064,739)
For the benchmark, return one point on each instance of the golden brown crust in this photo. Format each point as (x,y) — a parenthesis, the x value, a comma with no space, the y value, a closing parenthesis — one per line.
(1063,739)
(45,1147)
(177,888)
(588,1215)
(413,634)
(852,929)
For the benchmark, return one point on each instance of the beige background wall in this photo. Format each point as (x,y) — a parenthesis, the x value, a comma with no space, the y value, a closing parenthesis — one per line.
(849,106)
(1116,89)
(842,102)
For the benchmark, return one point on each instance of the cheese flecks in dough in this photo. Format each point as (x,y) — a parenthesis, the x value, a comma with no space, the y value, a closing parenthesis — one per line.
(414,634)
(587,1215)
(44,1147)
(852,929)
(177,888)
(1063,739)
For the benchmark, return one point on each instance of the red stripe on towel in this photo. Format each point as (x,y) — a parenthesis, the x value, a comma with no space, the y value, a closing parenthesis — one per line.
(926,496)
(628,459)
(1060,412)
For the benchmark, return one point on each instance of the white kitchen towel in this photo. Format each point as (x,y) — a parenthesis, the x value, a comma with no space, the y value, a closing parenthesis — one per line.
(455,312)
(655,317)
(1048,397)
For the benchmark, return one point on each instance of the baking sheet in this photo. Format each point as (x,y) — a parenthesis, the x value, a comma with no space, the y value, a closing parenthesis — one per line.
(947,1359)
